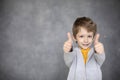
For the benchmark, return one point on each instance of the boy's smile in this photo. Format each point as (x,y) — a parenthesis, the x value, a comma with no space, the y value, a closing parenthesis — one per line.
(84,38)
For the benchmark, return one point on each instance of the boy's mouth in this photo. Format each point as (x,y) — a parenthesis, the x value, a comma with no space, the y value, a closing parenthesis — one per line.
(85,44)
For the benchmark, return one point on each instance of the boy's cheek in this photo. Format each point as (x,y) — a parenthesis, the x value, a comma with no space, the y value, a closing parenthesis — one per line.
(91,42)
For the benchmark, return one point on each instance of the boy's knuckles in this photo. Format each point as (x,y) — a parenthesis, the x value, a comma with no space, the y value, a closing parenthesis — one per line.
(97,45)
(67,47)
(68,44)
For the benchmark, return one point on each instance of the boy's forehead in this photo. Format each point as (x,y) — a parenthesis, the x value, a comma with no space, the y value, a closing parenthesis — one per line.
(84,31)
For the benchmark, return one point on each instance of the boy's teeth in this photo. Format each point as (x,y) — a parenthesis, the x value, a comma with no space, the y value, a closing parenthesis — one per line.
(85,44)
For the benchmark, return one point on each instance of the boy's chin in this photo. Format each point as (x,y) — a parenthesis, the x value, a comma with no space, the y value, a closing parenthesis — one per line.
(84,47)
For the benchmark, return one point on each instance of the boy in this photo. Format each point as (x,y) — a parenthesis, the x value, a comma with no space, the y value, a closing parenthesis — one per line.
(84,62)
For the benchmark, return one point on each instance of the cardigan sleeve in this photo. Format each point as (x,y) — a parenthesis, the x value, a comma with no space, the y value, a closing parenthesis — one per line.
(69,57)
(100,58)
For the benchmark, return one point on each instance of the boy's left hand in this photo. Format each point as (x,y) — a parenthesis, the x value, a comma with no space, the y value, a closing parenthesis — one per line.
(98,46)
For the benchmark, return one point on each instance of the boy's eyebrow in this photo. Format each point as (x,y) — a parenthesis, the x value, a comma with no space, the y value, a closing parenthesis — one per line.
(85,34)
(90,34)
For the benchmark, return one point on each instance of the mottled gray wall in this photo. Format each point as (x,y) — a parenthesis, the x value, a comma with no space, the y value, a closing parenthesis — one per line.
(32,33)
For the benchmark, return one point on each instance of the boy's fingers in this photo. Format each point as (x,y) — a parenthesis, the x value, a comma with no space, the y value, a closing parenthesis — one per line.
(69,37)
(96,38)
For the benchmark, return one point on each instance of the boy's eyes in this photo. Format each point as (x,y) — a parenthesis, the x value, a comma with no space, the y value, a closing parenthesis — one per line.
(89,36)
(81,36)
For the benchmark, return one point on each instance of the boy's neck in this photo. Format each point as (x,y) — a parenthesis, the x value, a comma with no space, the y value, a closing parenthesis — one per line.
(84,49)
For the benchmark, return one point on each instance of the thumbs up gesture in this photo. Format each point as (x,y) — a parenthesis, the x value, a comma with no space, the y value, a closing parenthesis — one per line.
(68,44)
(98,46)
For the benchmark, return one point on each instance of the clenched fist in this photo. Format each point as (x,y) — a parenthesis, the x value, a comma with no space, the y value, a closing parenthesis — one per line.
(68,44)
(98,46)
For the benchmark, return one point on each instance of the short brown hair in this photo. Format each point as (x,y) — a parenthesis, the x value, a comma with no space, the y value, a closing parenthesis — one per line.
(86,23)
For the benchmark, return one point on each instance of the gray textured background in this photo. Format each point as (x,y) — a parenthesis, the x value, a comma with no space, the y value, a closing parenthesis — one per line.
(32,33)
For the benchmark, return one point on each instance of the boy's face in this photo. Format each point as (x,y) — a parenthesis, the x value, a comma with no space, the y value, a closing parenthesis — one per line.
(84,38)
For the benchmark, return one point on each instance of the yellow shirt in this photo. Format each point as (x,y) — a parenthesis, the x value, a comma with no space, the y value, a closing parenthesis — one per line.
(85,54)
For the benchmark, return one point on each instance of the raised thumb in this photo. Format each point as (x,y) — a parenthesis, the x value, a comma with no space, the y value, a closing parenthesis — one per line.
(69,37)
(96,40)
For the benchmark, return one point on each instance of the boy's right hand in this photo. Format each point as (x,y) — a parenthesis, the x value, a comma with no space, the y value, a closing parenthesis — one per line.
(68,44)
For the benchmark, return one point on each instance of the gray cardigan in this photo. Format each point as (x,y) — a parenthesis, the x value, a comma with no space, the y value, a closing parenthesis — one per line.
(80,71)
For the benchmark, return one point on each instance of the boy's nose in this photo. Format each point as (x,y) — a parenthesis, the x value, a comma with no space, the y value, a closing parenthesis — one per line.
(86,40)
